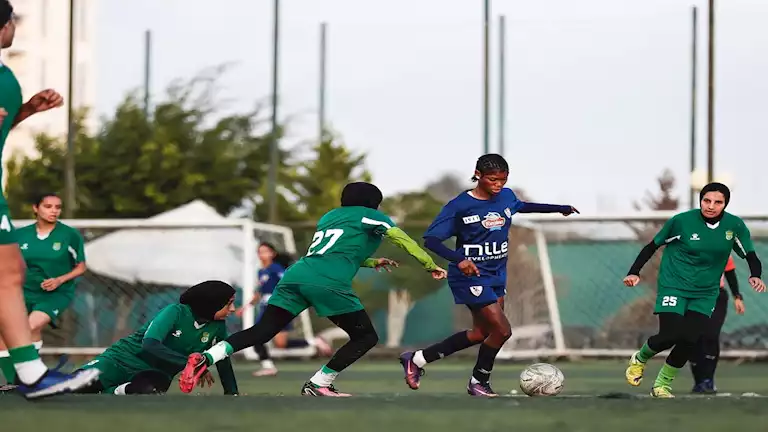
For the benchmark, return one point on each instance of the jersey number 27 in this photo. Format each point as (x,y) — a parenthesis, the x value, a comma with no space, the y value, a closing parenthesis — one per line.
(332,235)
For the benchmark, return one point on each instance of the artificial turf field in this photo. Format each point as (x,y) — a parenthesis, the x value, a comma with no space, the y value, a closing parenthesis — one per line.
(384,403)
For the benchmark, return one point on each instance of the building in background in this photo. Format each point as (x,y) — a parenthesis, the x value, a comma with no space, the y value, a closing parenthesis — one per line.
(40,59)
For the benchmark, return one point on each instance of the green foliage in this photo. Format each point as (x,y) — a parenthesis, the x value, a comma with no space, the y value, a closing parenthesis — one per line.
(138,167)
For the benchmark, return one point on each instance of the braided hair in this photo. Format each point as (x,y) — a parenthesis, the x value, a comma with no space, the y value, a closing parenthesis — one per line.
(490,163)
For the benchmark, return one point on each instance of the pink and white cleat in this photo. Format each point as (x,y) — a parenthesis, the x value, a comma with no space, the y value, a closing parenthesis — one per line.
(265,372)
(310,389)
(480,389)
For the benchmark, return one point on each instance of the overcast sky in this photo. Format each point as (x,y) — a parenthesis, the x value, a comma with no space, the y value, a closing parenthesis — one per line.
(597,90)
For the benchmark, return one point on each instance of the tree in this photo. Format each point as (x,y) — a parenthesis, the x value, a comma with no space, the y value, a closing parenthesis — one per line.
(312,186)
(138,167)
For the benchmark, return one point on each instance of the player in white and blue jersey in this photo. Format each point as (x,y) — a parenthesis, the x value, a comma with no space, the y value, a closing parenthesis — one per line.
(480,220)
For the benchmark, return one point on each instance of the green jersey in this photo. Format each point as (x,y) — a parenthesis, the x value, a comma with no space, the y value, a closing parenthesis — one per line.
(345,238)
(696,252)
(10,101)
(48,257)
(177,329)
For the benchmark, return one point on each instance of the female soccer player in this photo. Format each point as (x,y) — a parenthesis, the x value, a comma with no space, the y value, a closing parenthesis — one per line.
(698,244)
(480,219)
(344,241)
(55,258)
(146,361)
(35,378)
(707,351)
(273,265)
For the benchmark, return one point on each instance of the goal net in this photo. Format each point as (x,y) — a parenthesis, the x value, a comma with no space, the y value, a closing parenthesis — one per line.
(138,266)
(565,295)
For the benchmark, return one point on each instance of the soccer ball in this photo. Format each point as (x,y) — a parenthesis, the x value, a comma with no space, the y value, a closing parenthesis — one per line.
(542,379)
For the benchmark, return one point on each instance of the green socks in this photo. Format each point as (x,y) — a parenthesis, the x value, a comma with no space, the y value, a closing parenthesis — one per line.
(645,354)
(6,366)
(666,375)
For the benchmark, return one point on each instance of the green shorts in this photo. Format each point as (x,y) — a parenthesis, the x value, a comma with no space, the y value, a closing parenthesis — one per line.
(327,301)
(7,231)
(115,373)
(679,302)
(52,304)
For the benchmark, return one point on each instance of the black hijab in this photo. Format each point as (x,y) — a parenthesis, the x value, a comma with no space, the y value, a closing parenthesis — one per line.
(207,298)
(715,187)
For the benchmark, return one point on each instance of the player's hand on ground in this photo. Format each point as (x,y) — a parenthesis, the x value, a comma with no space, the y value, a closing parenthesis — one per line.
(632,280)
(738,304)
(468,268)
(51,284)
(439,274)
(571,210)
(757,284)
(45,100)
(206,380)
(386,264)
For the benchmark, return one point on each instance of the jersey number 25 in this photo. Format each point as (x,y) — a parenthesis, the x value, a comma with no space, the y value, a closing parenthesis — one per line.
(332,234)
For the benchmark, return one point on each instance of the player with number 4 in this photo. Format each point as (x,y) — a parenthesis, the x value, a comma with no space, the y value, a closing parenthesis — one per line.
(697,244)
(345,239)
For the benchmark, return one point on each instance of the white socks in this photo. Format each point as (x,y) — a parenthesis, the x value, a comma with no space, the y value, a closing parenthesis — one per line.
(324,377)
(418,359)
(30,372)
(219,352)
(268,364)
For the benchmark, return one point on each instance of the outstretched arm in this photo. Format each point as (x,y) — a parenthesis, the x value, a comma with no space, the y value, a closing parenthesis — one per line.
(402,240)
(529,207)
(435,245)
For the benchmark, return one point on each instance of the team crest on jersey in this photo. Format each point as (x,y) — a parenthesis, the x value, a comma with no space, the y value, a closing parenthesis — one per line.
(493,221)
(56,246)
(205,337)
(729,235)
(508,212)
(264,278)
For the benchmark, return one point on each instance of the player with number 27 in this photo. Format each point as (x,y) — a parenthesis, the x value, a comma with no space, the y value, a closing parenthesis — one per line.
(346,237)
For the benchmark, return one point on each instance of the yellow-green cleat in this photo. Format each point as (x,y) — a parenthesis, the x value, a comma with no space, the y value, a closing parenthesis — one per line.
(662,392)
(635,371)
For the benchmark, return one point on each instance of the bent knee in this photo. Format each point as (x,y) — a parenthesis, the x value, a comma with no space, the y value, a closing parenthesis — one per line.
(477,335)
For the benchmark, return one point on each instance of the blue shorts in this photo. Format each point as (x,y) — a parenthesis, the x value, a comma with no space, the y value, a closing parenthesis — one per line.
(464,294)
(262,308)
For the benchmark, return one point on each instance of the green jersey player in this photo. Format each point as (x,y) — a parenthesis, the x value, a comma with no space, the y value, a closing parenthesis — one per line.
(345,239)
(17,352)
(146,361)
(698,244)
(55,257)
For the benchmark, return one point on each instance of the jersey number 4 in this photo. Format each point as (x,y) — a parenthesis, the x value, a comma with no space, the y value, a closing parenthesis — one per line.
(333,235)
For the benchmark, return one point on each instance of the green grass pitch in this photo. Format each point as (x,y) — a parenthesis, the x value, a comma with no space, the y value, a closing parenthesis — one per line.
(382,402)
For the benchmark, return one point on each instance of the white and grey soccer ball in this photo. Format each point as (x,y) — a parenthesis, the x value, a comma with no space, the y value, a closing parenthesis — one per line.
(542,379)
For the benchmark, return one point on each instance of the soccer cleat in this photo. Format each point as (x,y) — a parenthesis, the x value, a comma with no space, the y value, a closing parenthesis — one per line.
(265,372)
(412,372)
(662,392)
(56,383)
(635,371)
(480,389)
(310,389)
(195,368)
(707,386)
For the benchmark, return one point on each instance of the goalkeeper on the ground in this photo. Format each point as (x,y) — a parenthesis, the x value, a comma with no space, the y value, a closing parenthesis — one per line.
(147,361)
